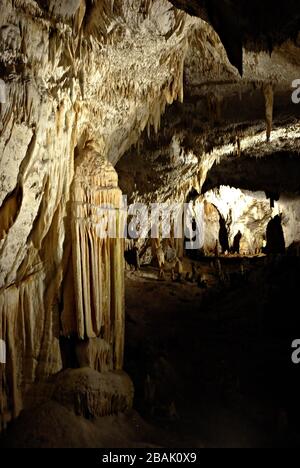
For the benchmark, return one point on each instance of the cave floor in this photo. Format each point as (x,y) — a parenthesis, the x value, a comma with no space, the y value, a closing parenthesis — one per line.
(212,367)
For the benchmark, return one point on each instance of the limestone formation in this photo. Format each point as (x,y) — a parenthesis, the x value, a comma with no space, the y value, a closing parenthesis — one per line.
(73,73)
(100,99)
(97,255)
(94,353)
(269,99)
(91,394)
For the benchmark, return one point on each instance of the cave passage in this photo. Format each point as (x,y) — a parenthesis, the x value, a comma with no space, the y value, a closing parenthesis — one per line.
(149,224)
(214,342)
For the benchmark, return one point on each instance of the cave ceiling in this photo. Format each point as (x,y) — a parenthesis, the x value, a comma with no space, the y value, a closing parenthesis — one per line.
(254,25)
(226,106)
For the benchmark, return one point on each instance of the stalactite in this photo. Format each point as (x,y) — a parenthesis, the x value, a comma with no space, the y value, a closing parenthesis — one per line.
(98,262)
(268,90)
(24,319)
(214,108)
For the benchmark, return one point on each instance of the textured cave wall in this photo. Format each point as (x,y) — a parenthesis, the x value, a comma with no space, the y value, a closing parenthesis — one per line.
(235,187)
(249,213)
(240,132)
(192,153)
(260,182)
(223,118)
(246,212)
(74,72)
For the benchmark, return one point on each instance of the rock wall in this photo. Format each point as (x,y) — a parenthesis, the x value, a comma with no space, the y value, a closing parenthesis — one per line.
(74,72)
(250,213)
(247,212)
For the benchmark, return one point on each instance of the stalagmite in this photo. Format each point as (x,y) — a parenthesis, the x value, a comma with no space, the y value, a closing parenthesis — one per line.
(90,394)
(238,145)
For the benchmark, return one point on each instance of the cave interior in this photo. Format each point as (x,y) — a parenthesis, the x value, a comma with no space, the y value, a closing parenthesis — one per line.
(142,340)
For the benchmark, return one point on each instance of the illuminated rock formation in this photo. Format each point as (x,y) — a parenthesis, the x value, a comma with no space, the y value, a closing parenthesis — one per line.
(101,89)
(97,258)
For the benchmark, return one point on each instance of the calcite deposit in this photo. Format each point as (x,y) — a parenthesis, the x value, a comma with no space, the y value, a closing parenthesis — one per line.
(103,98)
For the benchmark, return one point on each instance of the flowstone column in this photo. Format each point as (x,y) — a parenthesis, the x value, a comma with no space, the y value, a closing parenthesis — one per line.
(98,264)
(94,293)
